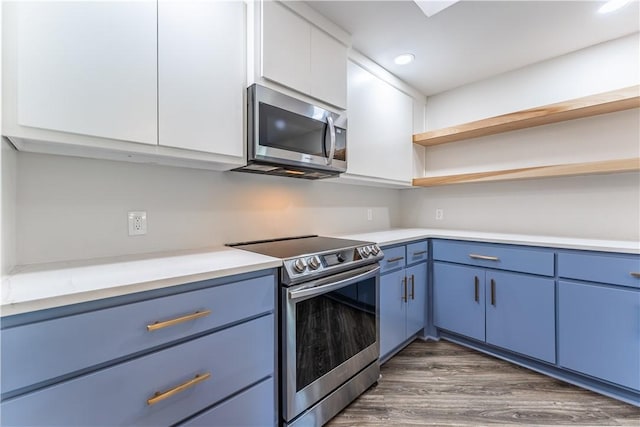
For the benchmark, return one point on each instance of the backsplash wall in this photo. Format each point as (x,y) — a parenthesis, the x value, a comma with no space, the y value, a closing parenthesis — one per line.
(72,208)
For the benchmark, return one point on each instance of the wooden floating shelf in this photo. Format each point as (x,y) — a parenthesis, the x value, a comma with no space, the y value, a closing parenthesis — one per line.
(600,167)
(603,103)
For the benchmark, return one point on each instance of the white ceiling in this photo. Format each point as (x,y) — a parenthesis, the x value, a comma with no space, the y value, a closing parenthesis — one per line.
(473,40)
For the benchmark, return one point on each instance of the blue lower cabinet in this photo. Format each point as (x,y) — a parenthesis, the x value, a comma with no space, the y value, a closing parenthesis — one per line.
(210,368)
(599,331)
(459,299)
(403,295)
(416,298)
(393,309)
(251,408)
(520,314)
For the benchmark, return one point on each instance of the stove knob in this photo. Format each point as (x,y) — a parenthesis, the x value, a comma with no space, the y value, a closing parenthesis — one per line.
(365,251)
(314,262)
(375,249)
(299,265)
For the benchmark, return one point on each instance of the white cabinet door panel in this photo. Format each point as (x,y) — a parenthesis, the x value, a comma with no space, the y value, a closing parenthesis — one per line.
(380,128)
(286,47)
(201,69)
(89,68)
(328,69)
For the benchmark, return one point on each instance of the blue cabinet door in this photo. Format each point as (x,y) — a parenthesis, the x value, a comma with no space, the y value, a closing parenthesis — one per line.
(417,298)
(599,332)
(458,299)
(520,314)
(392,311)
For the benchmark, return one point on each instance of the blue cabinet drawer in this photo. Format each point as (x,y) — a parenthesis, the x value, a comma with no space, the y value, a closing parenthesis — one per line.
(235,358)
(616,269)
(394,258)
(254,407)
(534,261)
(599,332)
(44,350)
(417,252)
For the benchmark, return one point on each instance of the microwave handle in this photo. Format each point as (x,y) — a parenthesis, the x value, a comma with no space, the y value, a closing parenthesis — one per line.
(332,136)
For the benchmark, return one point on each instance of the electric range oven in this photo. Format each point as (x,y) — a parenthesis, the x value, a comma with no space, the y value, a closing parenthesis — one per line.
(329,324)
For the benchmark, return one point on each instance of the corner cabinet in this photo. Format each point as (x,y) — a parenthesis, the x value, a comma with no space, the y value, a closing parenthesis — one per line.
(183,354)
(403,296)
(138,81)
(380,129)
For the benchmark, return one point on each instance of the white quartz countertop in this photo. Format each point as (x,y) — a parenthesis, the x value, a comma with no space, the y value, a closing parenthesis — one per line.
(36,287)
(401,235)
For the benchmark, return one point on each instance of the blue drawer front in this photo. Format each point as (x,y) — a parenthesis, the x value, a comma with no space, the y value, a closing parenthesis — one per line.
(417,252)
(36,352)
(251,408)
(599,332)
(235,358)
(604,268)
(394,258)
(534,261)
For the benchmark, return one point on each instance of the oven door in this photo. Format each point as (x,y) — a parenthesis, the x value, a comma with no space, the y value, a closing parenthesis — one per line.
(330,333)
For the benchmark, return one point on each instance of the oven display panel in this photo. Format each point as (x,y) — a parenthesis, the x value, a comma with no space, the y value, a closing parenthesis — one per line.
(333,259)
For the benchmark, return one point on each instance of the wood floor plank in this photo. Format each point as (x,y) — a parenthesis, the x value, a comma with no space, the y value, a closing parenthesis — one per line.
(444,384)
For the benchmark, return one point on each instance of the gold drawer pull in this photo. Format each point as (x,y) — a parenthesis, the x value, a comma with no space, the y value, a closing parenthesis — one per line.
(158,396)
(419,253)
(398,258)
(159,325)
(484,257)
(635,274)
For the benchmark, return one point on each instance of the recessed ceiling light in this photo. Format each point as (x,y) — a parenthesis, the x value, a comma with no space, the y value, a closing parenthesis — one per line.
(612,5)
(404,59)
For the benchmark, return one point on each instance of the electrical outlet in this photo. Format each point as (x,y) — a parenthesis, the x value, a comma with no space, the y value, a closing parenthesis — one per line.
(137,223)
(369,214)
(439,214)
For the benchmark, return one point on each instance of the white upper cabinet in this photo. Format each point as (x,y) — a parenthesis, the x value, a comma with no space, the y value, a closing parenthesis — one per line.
(298,55)
(380,129)
(87,68)
(201,73)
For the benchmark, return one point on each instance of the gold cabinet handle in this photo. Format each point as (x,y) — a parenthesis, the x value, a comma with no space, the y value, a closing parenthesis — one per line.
(404,283)
(162,395)
(413,290)
(398,258)
(476,283)
(493,292)
(419,253)
(635,274)
(159,325)
(484,257)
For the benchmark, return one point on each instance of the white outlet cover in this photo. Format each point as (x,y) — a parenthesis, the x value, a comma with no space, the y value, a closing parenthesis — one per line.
(137,223)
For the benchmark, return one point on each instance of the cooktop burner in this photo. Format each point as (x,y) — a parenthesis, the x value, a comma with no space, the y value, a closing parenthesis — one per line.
(308,257)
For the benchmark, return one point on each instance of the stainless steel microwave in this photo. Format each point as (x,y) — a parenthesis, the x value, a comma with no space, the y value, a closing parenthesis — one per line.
(289,137)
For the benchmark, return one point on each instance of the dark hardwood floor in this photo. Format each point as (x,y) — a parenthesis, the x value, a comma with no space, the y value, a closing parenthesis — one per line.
(441,383)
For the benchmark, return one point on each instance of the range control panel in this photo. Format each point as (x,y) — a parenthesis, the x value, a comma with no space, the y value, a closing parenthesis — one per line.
(308,267)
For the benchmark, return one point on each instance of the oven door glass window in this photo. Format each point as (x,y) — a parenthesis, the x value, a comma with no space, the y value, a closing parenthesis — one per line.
(333,327)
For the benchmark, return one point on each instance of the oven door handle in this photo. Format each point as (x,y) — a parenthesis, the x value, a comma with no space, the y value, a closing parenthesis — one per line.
(316,288)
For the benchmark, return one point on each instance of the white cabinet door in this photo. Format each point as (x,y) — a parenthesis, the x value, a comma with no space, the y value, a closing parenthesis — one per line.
(380,128)
(286,47)
(328,69)
(201,71)
(88,68)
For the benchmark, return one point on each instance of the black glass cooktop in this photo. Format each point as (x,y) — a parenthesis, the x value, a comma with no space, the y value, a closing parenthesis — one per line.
(292,247)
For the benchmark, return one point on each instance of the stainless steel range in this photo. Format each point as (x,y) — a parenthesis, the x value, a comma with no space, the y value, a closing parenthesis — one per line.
(329,313)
